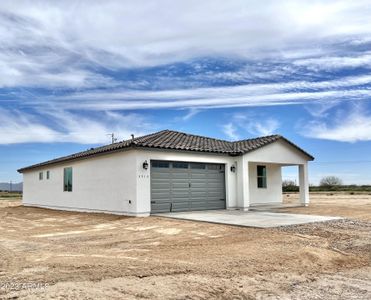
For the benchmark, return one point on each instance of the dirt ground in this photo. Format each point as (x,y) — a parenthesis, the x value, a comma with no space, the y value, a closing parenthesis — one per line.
(342,204)
(47,254)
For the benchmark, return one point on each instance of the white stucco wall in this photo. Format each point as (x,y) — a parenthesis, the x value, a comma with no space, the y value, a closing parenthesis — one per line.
(279,152)
(117,182)
(103,183)
(106,183)
(272,194)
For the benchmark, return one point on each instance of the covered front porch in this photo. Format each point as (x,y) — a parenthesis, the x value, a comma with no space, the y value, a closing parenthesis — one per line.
(259,176)
(264,188)
(265,184)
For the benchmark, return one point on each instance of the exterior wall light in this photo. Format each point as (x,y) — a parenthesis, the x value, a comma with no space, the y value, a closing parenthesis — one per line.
(233,168)
(145,165)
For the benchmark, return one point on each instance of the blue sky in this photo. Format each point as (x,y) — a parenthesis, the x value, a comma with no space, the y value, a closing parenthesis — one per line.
(73,71)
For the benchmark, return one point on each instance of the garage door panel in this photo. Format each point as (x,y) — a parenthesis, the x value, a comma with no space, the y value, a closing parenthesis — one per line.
(197,194)
(199,205)
(179,177)
(213,185)
(159,192)
(198,179)
(180,199)
(161,198)
(198,175)
(161,186)
(160,170)
(180,206)
(216,194)
(161,178)
(213,181)
(194,172)
(216,176)
(179,180)
(180,189)
(180,186)
(180,195)
(216,205)
(161,207)
(197,187)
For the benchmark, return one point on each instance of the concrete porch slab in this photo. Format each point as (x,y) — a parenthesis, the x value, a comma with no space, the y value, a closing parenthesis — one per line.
(272,207)
(247,218)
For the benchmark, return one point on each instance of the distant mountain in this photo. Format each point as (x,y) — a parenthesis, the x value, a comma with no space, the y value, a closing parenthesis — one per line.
(5,186)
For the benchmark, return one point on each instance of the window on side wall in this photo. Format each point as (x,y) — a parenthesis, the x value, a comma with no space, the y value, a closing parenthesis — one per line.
(67,179)
(262,177)
(47,174)
(41,175)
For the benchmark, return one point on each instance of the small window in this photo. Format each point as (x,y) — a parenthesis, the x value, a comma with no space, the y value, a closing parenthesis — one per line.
(180,165)
(198,166)
(160,164)
(47,174)
(41,175)
(262,176)
(67,179)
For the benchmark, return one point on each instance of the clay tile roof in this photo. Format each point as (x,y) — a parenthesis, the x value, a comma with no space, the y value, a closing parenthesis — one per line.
(175,140)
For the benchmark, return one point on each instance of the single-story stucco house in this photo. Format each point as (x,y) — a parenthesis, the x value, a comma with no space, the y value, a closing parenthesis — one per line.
(167,171)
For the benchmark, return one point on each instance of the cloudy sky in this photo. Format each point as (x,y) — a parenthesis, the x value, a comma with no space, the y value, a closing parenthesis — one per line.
(73,71)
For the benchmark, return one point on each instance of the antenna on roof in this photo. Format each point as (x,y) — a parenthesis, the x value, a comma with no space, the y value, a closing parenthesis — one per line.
(113,139)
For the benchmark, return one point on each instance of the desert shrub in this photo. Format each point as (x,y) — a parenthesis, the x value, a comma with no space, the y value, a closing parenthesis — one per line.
(289,186)
(330,181)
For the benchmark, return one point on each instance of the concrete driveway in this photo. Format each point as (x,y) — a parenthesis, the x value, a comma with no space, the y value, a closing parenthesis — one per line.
(247,218)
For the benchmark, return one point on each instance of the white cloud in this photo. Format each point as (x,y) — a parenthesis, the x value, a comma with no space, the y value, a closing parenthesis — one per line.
(16,127)
(230,131)
(336,62)
(49,40)
(297,92)
(19,70)
(191,113)
(258,125)
(350,126)
(74,46)
(321,109)
(265,127)
(254,124)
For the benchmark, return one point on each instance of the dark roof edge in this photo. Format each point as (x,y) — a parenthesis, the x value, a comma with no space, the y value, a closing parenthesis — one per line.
(130,143)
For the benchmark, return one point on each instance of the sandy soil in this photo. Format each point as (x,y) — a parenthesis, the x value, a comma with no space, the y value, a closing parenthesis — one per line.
(48,254)
(357,206)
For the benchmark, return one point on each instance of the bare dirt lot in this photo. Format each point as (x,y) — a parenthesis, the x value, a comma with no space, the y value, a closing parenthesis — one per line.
(48,254)
(342,204)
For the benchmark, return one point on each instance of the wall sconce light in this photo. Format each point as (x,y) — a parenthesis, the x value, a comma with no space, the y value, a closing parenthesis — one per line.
(233,168)
(145,165)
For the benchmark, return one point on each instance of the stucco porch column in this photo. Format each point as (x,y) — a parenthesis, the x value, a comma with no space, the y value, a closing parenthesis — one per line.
(243,191)
(304,184)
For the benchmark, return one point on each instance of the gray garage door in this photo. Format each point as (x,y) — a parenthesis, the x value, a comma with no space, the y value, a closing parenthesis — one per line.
(182,186)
